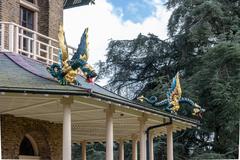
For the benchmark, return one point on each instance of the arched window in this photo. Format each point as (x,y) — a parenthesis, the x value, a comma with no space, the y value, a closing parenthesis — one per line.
(28,147)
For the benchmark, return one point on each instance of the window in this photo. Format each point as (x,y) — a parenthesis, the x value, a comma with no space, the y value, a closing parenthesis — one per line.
(26,147)
(26,18)
(31,1)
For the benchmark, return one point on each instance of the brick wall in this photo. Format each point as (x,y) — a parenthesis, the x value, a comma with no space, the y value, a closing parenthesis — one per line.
(43,17)
(55,17)
(0,10)
(10,13)
(10,10)
(48,137)
(50,14)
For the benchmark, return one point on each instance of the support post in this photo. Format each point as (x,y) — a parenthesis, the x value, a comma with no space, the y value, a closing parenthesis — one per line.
(142,138)
(151,129)
(109,133)
(49,55)
(67,143)
(21,38)
(11,37)
(0,136)
(2,37)
(121,150)
(151,146)
(34,46)
(16,47)
(134,147)
(170,142)
(84,150)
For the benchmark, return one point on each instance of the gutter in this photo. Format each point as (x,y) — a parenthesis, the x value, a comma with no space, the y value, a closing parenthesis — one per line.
(153,127)
(137,106)
(88,92)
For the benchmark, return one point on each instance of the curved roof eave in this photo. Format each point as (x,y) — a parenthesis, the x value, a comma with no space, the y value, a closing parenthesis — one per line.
(15,61)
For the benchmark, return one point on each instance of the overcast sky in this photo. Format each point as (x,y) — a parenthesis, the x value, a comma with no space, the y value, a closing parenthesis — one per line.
(114,19)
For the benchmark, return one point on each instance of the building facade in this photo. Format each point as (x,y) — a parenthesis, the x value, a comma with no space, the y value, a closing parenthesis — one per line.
(42,16)
(24,137)
(30,28)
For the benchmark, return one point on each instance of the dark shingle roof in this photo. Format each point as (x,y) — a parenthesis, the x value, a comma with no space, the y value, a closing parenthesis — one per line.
(12,75)
(21,74)
(73,3)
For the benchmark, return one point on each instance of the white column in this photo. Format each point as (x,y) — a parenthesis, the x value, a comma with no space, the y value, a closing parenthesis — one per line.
(21,38)
(0,136)
(2,37)
(169,142)
(67,143)
(16,47)
(151,147)
(142,139)
(11,37)
(84,150)
(121,150)
(134,147)
(36,21)
(50,52)
(34,42)
(109,134)
(34,45)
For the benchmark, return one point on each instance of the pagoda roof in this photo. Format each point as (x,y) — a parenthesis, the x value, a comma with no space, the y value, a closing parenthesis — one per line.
(20,73)
(28,90)
(76,3)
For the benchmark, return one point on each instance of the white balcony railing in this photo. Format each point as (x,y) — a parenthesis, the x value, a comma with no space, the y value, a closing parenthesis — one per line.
(21,40)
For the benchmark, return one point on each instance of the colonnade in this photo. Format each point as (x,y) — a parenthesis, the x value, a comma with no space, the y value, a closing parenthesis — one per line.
(66,102)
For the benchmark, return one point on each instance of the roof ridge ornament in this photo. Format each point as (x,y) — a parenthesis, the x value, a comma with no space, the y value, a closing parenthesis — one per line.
(66,71)
(174,99)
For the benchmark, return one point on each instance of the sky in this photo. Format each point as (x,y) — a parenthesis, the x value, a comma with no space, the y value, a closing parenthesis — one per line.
(114,19)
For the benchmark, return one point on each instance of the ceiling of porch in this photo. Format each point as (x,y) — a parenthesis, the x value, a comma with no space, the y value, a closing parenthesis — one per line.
(88,115)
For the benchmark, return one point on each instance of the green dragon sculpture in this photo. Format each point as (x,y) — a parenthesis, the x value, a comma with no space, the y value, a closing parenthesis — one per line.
(66,71)
(174,99)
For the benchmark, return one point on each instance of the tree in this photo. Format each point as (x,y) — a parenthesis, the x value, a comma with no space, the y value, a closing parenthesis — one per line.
(207,33)
(135,64)
(198,25)
(203,44)
(219,79)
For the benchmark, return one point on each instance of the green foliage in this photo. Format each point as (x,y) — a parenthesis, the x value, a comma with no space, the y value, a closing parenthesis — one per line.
(95,151)
(206,156)
(136,63)
(198,25)
(219,78)
(204,45)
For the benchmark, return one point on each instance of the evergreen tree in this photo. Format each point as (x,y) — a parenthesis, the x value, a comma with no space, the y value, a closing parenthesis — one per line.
(219,79)
(133,65)
(204,45)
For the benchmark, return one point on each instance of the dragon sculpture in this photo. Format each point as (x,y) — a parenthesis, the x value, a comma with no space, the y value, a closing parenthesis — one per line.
(174,99)
(66,70)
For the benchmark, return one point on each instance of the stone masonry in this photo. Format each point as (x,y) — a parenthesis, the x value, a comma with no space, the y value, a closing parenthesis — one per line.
(47,135)
(50,14)
(0,10)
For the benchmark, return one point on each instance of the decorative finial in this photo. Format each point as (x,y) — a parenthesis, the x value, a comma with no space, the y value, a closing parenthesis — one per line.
(174,100)
(67,70)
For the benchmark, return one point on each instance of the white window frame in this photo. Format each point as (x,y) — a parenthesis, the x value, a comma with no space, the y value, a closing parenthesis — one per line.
(33,7)
(21,157)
